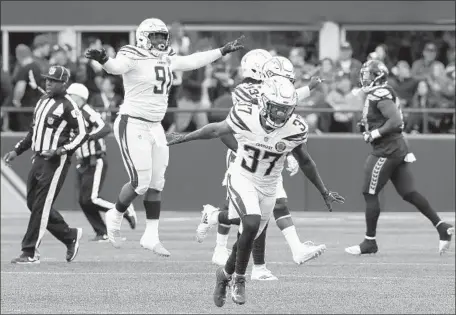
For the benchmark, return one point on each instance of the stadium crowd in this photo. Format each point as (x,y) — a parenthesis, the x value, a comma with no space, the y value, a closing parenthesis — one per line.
(422,68)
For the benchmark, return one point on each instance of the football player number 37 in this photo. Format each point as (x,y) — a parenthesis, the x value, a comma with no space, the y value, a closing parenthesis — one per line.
(256,157)
(164,77)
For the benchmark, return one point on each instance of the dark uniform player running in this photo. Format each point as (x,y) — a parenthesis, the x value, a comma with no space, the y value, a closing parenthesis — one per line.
(57,130)
(92,166)
(390,158)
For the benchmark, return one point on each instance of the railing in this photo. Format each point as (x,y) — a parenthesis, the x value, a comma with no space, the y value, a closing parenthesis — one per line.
(300,110)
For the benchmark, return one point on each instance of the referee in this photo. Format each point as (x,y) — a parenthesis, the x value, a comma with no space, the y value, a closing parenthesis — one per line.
(92,166)
(57,130)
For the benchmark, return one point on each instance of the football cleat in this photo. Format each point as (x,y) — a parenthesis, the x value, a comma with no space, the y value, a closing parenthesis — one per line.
(221,254)
(238,290)
(113,223)
(308,252)
(25,260)
(208,220)
(222,282)
(73,248)
(100,238)
(155,247)
(445,232)
(261,273)
(130,216)
(366,247)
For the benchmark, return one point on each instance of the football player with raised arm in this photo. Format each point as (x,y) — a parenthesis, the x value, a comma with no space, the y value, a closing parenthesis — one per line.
(146,69)
(265,134)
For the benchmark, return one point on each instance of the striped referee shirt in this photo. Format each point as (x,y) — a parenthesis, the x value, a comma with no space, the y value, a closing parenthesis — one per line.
(98,129)
(55,120)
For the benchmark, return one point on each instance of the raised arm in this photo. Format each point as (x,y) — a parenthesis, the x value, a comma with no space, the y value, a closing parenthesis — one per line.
(119,65)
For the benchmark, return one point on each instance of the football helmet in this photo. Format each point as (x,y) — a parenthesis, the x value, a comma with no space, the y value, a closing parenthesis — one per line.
(373,73)
(252,64)
(152,34)
(278,101)
(279,66)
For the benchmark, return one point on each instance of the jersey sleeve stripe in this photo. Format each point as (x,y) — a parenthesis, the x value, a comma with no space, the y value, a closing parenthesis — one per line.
(240,97)
(133,50)
(172,52)
(247,95)
(233,120)
(238,119)
(296,137)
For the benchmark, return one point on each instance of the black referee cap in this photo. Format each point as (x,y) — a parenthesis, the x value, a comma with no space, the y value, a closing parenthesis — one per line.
(57,73)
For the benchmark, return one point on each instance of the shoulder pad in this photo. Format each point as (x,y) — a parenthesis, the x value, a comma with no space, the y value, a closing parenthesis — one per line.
(382,93)
(133,52)
(297,129)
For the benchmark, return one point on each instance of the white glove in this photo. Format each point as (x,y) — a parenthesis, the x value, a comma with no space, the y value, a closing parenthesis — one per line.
(292,165)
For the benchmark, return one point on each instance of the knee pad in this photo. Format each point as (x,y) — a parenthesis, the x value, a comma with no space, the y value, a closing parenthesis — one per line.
(143,181)
(281,209)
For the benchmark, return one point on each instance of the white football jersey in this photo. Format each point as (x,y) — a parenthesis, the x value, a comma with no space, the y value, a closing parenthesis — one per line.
(147,83)
(261,154)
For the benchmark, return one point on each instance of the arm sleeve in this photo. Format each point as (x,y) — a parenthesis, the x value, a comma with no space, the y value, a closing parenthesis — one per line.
(76,116)
(195,61)
(101,128)
(119,65)
(303,93)
(25,143)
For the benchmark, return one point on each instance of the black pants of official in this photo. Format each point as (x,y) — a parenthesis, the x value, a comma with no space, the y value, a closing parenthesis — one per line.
(91,176)
(44,182)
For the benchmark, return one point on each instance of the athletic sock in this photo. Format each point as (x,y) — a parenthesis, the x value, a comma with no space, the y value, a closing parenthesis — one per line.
(259,248)
(223,234)
(372,214)
(152,218)
(292,238)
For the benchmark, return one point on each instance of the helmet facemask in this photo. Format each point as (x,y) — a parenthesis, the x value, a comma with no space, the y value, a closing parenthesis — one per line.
(158,40)
(368,79)
(276,115)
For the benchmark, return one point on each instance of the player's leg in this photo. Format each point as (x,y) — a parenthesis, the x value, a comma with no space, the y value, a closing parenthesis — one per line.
(135,145)
(245,200)
(377,172)
(403,181)
(152,199)
(87,178)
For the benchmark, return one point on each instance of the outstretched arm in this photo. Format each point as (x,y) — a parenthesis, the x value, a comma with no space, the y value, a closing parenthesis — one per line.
(308,167)
(196,60)
(210,131)
(230,141)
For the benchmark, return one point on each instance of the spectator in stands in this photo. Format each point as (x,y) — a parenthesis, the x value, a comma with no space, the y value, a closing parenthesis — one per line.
(403,83)
(107,99)
(421,68)
(94,74)
(59,56)
(327,72)
(297,57)
(346,65)
(437,79)
(342,98)
(381,53)
(41,50)
(26,93)
(5,98)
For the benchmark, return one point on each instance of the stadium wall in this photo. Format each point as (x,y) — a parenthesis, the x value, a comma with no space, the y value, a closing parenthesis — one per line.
(196,171)
(225,12)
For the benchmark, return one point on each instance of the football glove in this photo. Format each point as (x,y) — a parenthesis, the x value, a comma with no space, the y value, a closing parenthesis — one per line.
(97,55)
(330,197)
(232,46)
(174,138)
(292,165)
(370,136)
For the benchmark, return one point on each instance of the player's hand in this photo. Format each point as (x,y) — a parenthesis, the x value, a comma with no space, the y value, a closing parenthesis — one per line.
(235,45)
(174,138)
(99,55)
(368,137)
(330,197)
(47,154)
(292,165)
(314,82)
(9,157)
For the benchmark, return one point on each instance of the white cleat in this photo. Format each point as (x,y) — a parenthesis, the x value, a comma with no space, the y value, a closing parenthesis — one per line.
(208,220)
(113,223)
(156,247)
(308,252)
(444,246)
(353,250)
(261,273)
(221,254)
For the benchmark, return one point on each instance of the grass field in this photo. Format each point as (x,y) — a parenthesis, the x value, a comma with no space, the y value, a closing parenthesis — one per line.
(406,276)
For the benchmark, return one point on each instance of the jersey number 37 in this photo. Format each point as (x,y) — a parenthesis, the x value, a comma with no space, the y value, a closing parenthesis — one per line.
(164,78)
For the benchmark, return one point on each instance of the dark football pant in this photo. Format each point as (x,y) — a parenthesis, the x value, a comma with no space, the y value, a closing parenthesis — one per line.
(378,170)
(44,182)
(91,177)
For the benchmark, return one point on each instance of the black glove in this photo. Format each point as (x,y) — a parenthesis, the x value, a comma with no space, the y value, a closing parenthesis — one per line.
(330,197)
(97,55)
(232,46)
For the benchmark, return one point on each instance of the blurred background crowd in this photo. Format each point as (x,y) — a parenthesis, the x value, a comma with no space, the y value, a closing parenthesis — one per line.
(421,65)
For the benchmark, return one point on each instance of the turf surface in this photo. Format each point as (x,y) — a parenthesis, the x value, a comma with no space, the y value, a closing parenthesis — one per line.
(406,276)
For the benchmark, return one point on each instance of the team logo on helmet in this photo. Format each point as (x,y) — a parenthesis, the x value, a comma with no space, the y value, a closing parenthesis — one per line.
(52,70)
(280,146)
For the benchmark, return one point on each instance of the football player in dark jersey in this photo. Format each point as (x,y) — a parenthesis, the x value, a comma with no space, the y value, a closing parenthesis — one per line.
(390,157)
